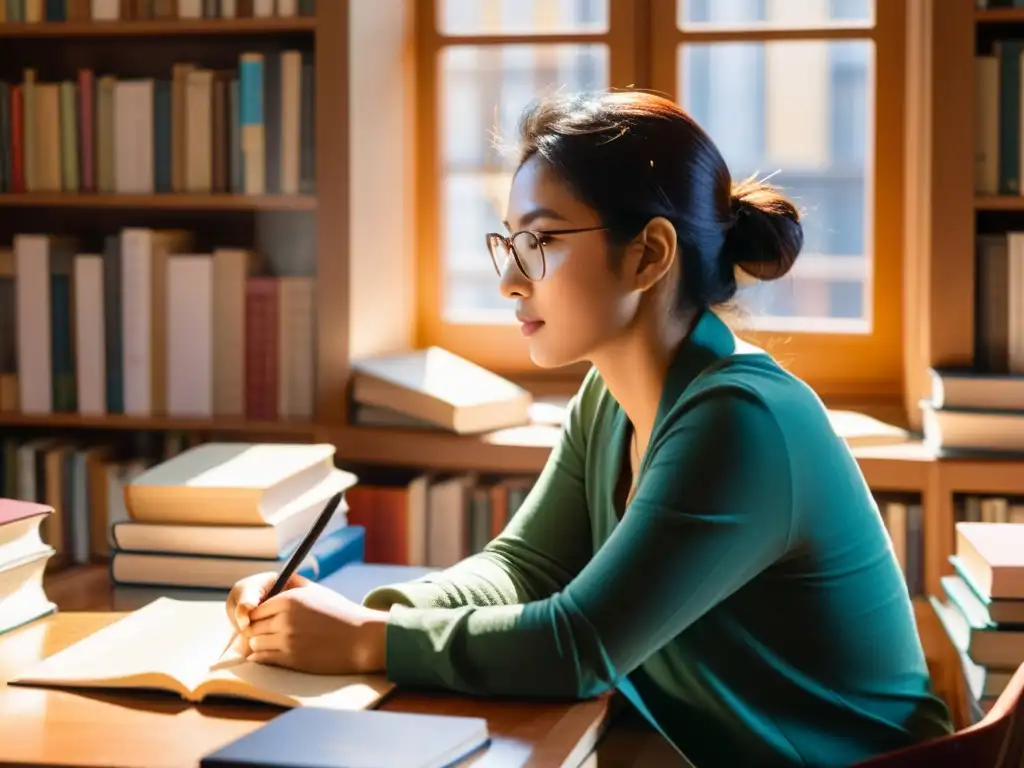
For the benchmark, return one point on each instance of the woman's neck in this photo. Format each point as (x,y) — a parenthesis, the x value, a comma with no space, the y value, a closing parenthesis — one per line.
(634,369)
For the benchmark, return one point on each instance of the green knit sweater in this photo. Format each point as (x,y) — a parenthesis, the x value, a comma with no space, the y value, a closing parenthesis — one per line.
(748,601)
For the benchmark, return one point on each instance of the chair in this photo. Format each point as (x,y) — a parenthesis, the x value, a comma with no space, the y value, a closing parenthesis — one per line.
(996,741)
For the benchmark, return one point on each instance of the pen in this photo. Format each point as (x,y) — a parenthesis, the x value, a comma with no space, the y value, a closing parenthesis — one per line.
(299,554)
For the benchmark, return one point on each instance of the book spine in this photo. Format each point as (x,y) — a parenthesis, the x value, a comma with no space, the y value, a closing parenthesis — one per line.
(332,553)
(162,151)
(261,348)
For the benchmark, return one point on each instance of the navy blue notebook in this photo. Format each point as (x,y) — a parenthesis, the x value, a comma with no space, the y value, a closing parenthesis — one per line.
(310,737)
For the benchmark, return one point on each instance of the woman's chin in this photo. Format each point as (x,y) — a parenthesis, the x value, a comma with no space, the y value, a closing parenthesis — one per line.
(544,356)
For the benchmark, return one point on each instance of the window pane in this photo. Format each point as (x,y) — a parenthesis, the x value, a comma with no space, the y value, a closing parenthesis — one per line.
(799,111)
(792,14)
(484,89)
(495,17)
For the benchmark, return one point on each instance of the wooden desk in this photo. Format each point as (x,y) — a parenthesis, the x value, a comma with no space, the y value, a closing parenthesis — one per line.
(62,727)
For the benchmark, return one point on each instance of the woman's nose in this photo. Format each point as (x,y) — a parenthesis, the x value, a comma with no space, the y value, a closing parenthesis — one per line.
(513,282)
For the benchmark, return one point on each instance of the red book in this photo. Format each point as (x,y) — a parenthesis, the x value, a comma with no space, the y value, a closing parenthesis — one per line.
(13,511)
(261,348)
(17,140)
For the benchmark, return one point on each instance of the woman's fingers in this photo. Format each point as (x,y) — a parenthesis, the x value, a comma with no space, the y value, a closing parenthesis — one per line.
(249,592)
(275,642)
(271,625)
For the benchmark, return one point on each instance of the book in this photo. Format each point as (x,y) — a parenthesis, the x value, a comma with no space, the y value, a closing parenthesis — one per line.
(228,483)
(337,546)
(322,738)
(992,554)
(273,540)
(22,596)
(20,530)
(969,631)
(437,387)
(175,646)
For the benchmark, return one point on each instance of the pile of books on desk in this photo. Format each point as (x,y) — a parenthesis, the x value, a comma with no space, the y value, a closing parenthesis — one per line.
(983,609)
(219,512)
(23,558)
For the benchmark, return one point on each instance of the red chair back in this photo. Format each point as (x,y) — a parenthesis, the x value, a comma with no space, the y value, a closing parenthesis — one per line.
(996,741)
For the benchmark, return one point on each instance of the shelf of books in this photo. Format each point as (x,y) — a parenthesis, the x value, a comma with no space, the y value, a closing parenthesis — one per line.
(980,602)
(176,287)
(973,415)
(96,17)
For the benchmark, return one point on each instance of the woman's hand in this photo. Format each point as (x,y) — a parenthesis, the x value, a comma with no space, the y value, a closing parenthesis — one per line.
(310,628)
(250,591)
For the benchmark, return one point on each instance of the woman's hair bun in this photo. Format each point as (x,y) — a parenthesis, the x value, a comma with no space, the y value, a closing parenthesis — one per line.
(766,235)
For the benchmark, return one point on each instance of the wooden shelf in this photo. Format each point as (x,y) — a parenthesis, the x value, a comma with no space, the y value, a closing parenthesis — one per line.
(512,451)
(177,201)
(898,467)
(156,423)
(999,202)
(62,29)
(997,15)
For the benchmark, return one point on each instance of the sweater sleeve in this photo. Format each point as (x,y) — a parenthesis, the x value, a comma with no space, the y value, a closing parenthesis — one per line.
(542,548)
(712,510)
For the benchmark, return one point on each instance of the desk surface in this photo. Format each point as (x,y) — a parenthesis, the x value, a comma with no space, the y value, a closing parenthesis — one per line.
(61,727)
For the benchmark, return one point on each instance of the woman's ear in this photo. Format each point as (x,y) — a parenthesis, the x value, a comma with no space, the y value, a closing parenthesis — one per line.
(651,254)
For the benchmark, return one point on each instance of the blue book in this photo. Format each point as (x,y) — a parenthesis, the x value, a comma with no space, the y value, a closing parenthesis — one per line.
(310,737)
(356,579)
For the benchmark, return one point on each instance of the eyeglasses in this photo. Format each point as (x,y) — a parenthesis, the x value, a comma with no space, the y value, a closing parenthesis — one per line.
(526,249)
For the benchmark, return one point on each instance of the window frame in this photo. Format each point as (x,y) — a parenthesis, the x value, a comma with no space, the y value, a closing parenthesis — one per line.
(642,40)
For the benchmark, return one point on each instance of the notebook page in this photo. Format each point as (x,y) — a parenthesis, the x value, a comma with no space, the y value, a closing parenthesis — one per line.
(303,689)
(176,638)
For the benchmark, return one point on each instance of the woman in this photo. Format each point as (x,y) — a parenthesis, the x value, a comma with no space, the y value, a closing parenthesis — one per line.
(700,538)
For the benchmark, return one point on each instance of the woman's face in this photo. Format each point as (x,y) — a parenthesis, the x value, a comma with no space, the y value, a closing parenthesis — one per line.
(580,304)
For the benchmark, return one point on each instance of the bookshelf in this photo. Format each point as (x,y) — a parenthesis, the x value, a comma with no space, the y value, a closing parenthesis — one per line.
(168,202)
(161,27)
(946,212)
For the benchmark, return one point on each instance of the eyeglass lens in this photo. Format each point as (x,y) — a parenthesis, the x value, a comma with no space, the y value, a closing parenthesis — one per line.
(529,255)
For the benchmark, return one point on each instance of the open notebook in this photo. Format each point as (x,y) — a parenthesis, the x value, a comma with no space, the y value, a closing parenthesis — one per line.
(175,645)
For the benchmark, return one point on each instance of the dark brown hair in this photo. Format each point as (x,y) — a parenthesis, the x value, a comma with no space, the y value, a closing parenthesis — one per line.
(633,156)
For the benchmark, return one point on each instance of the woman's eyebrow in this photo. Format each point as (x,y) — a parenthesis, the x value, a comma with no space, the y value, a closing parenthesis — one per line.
(537,213)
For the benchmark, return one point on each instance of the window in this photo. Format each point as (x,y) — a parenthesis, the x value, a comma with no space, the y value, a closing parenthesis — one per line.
(807,92)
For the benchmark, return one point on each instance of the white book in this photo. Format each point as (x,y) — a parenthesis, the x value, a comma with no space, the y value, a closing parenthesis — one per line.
(133,127)
(190,9)
(106,10)
(179,646)
(32,323)
(190,336)
(229,483)
(287,8)
(263,9)
(136,321)
(90,346)
(271,541)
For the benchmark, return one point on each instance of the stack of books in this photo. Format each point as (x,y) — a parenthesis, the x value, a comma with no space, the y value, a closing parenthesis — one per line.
(219,512)
(23,558)
(983,610)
